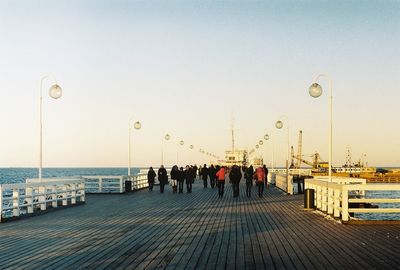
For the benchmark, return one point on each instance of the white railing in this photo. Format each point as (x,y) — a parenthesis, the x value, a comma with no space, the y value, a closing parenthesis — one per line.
(104,183)
(139,181)
(279,179)
(282,183)
(25,198)
(115,184)
(304,172)
(334,197)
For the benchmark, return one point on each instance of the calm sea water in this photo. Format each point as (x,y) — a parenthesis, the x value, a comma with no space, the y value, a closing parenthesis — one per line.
(19,175)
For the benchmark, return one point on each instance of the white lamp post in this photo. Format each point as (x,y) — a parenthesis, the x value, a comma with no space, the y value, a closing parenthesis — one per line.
(167,137)
(55,92)
(266,137)
(279,125)
(315,90)
(137,125)
(181,143)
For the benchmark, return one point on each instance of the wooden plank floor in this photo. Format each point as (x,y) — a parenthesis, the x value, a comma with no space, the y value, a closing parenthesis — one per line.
(149,230)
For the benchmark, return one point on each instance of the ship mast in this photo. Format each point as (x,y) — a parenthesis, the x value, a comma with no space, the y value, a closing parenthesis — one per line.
(233,133)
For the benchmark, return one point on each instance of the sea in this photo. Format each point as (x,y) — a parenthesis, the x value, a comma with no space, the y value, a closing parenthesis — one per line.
(19,175)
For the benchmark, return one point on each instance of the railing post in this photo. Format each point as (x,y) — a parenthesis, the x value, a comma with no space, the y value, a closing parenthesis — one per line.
(42,198)
(65,196)
(319,197)
(336,211)
(82,191)
(330,199)
(54,196)
(100,184)
(290,184)
(345,203)
(16,202)
(29,199)
(324,198)
(73,194)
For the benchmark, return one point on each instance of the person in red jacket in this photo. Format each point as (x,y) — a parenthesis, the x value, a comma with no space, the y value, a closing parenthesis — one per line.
(259,176)
(221,181)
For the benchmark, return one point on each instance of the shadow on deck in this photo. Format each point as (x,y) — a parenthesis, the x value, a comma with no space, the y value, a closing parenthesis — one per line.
(198,230)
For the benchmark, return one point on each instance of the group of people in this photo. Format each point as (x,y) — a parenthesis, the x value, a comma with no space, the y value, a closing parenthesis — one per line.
(216,175)
(178,178)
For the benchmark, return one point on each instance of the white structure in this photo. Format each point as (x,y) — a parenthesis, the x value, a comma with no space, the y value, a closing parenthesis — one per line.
(39,194)
(333,197)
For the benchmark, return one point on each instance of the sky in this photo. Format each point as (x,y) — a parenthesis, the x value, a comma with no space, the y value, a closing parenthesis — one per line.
(185,67)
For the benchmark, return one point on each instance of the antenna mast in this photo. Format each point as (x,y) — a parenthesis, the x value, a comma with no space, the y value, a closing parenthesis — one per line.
(299,146)
(233,133)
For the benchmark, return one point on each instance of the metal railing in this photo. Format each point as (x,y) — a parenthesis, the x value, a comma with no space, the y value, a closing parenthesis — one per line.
(334,197)
(26,198)
(115,184)
(104,184)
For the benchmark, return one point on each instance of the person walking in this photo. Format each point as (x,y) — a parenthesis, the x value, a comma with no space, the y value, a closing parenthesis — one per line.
(211,173)
(162,177)
(260,175)
(189,178)
(151,175)
(204,175)
(200,169)
(248,175)
(181,179)
(235,176)
(195,172)
(265,176)
(221,181)
(174,178)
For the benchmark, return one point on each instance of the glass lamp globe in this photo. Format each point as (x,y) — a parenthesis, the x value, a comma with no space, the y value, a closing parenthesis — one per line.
(279,124)
(137,125)
(55,91)
(167,137)
(260,142)
(315,90)
(181,142)
(191,146)
(266,137)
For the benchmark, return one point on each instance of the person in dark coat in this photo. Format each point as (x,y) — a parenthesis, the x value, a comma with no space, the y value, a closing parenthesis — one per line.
(266,176)
(189,176)
(174,178)
(200,169)
(195,171)
(181,179)
(204,175)
(248,175)
(211,174)
(235,176)
(162,177)
(151,175)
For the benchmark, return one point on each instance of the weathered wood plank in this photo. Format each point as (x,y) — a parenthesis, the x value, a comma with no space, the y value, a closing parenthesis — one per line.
(147,230)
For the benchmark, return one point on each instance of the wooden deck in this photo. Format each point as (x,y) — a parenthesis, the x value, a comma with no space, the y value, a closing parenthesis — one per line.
(146,230)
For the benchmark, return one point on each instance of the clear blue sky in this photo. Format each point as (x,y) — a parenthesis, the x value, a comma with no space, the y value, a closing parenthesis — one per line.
(183,67)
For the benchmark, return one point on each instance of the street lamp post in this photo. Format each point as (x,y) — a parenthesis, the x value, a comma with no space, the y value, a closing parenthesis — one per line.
(166,138)
(181,143)
(55,92)
(137,125)
(315,90)
(279,125)
(266,137)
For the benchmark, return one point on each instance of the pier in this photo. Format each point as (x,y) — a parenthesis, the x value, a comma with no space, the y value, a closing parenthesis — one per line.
(149,230)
